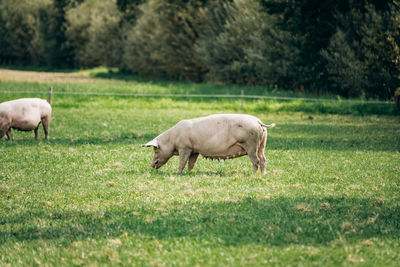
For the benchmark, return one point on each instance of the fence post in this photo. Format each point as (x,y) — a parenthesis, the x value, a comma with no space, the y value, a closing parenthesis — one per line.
(50,94)
(241,98)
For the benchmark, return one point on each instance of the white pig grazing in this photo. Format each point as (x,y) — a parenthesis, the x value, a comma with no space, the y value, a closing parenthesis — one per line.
(220,136)
(24,114)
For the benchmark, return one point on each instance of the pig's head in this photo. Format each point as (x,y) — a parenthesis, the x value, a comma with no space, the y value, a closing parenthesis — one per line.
(162,153)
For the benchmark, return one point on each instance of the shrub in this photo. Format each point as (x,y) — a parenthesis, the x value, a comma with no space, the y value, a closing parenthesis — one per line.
(160,44)
(242,44)
(92,29)
(18,21)
(364,55)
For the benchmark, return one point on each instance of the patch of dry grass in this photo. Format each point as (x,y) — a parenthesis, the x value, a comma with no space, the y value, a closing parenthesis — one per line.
(47,77)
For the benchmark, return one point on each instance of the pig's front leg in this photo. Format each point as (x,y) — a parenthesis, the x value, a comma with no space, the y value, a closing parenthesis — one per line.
(36,132)
(192,161)
(184,155)
(9,135)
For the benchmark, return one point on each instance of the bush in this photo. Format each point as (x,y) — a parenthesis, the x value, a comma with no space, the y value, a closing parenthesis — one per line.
(92,30)
(18,20)
(48,43)
(161,42)
(365,59)
(242,44)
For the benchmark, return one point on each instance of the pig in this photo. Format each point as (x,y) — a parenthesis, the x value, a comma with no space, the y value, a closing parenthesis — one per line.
(24,114)
(219,136)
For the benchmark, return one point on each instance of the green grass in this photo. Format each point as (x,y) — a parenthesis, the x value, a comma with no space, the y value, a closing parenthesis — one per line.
(65,92)
(87,196)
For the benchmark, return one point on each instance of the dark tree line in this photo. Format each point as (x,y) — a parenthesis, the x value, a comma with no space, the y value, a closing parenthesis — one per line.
(345,47)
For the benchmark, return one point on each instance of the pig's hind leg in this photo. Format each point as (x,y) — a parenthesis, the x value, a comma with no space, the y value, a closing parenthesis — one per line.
(252,150)
(46,123)
(36,132)
(261,149)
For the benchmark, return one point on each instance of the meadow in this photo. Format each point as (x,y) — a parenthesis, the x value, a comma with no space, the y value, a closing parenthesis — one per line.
(87,196)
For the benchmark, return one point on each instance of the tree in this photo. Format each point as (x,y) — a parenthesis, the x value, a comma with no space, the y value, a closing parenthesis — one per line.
(160,43)
(240,43)
(129,9)
(92,31)
(18,20)
(364,55)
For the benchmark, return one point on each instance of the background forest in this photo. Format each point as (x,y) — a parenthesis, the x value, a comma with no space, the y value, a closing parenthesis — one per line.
(345,47)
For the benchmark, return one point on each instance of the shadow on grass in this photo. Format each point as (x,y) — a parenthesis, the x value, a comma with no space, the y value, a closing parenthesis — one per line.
(182,87)
(333,144)
(161,173)
(297,104)
(324,107)
(368,137)
(128,138)
(274,143)
(277,222)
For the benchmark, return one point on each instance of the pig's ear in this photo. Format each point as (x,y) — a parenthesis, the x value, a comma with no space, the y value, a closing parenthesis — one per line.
(152,143)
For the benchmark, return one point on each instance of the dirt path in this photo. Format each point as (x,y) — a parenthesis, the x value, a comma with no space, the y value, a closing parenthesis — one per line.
(45,77)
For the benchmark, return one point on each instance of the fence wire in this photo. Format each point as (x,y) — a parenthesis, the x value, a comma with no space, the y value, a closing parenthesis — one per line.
(234,96)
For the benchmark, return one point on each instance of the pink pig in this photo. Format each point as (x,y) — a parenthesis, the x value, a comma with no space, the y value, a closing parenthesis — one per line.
(24,114)
(220,136)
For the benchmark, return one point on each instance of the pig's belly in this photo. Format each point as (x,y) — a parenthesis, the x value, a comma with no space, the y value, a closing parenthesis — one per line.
(233,151)
(25,124)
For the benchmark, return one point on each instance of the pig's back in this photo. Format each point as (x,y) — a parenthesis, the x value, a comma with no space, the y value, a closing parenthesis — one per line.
(216,134)
(224,123)
(25,112)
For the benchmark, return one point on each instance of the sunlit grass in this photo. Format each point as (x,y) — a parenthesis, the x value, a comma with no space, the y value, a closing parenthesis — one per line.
(88,195)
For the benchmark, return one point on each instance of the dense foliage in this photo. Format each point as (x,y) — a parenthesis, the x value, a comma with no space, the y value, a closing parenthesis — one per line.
(346,47)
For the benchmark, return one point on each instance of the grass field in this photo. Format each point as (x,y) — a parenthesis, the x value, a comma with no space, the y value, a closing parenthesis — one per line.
(87,196)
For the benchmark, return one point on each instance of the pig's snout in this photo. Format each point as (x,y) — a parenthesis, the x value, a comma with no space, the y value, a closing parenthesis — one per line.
(154,164)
